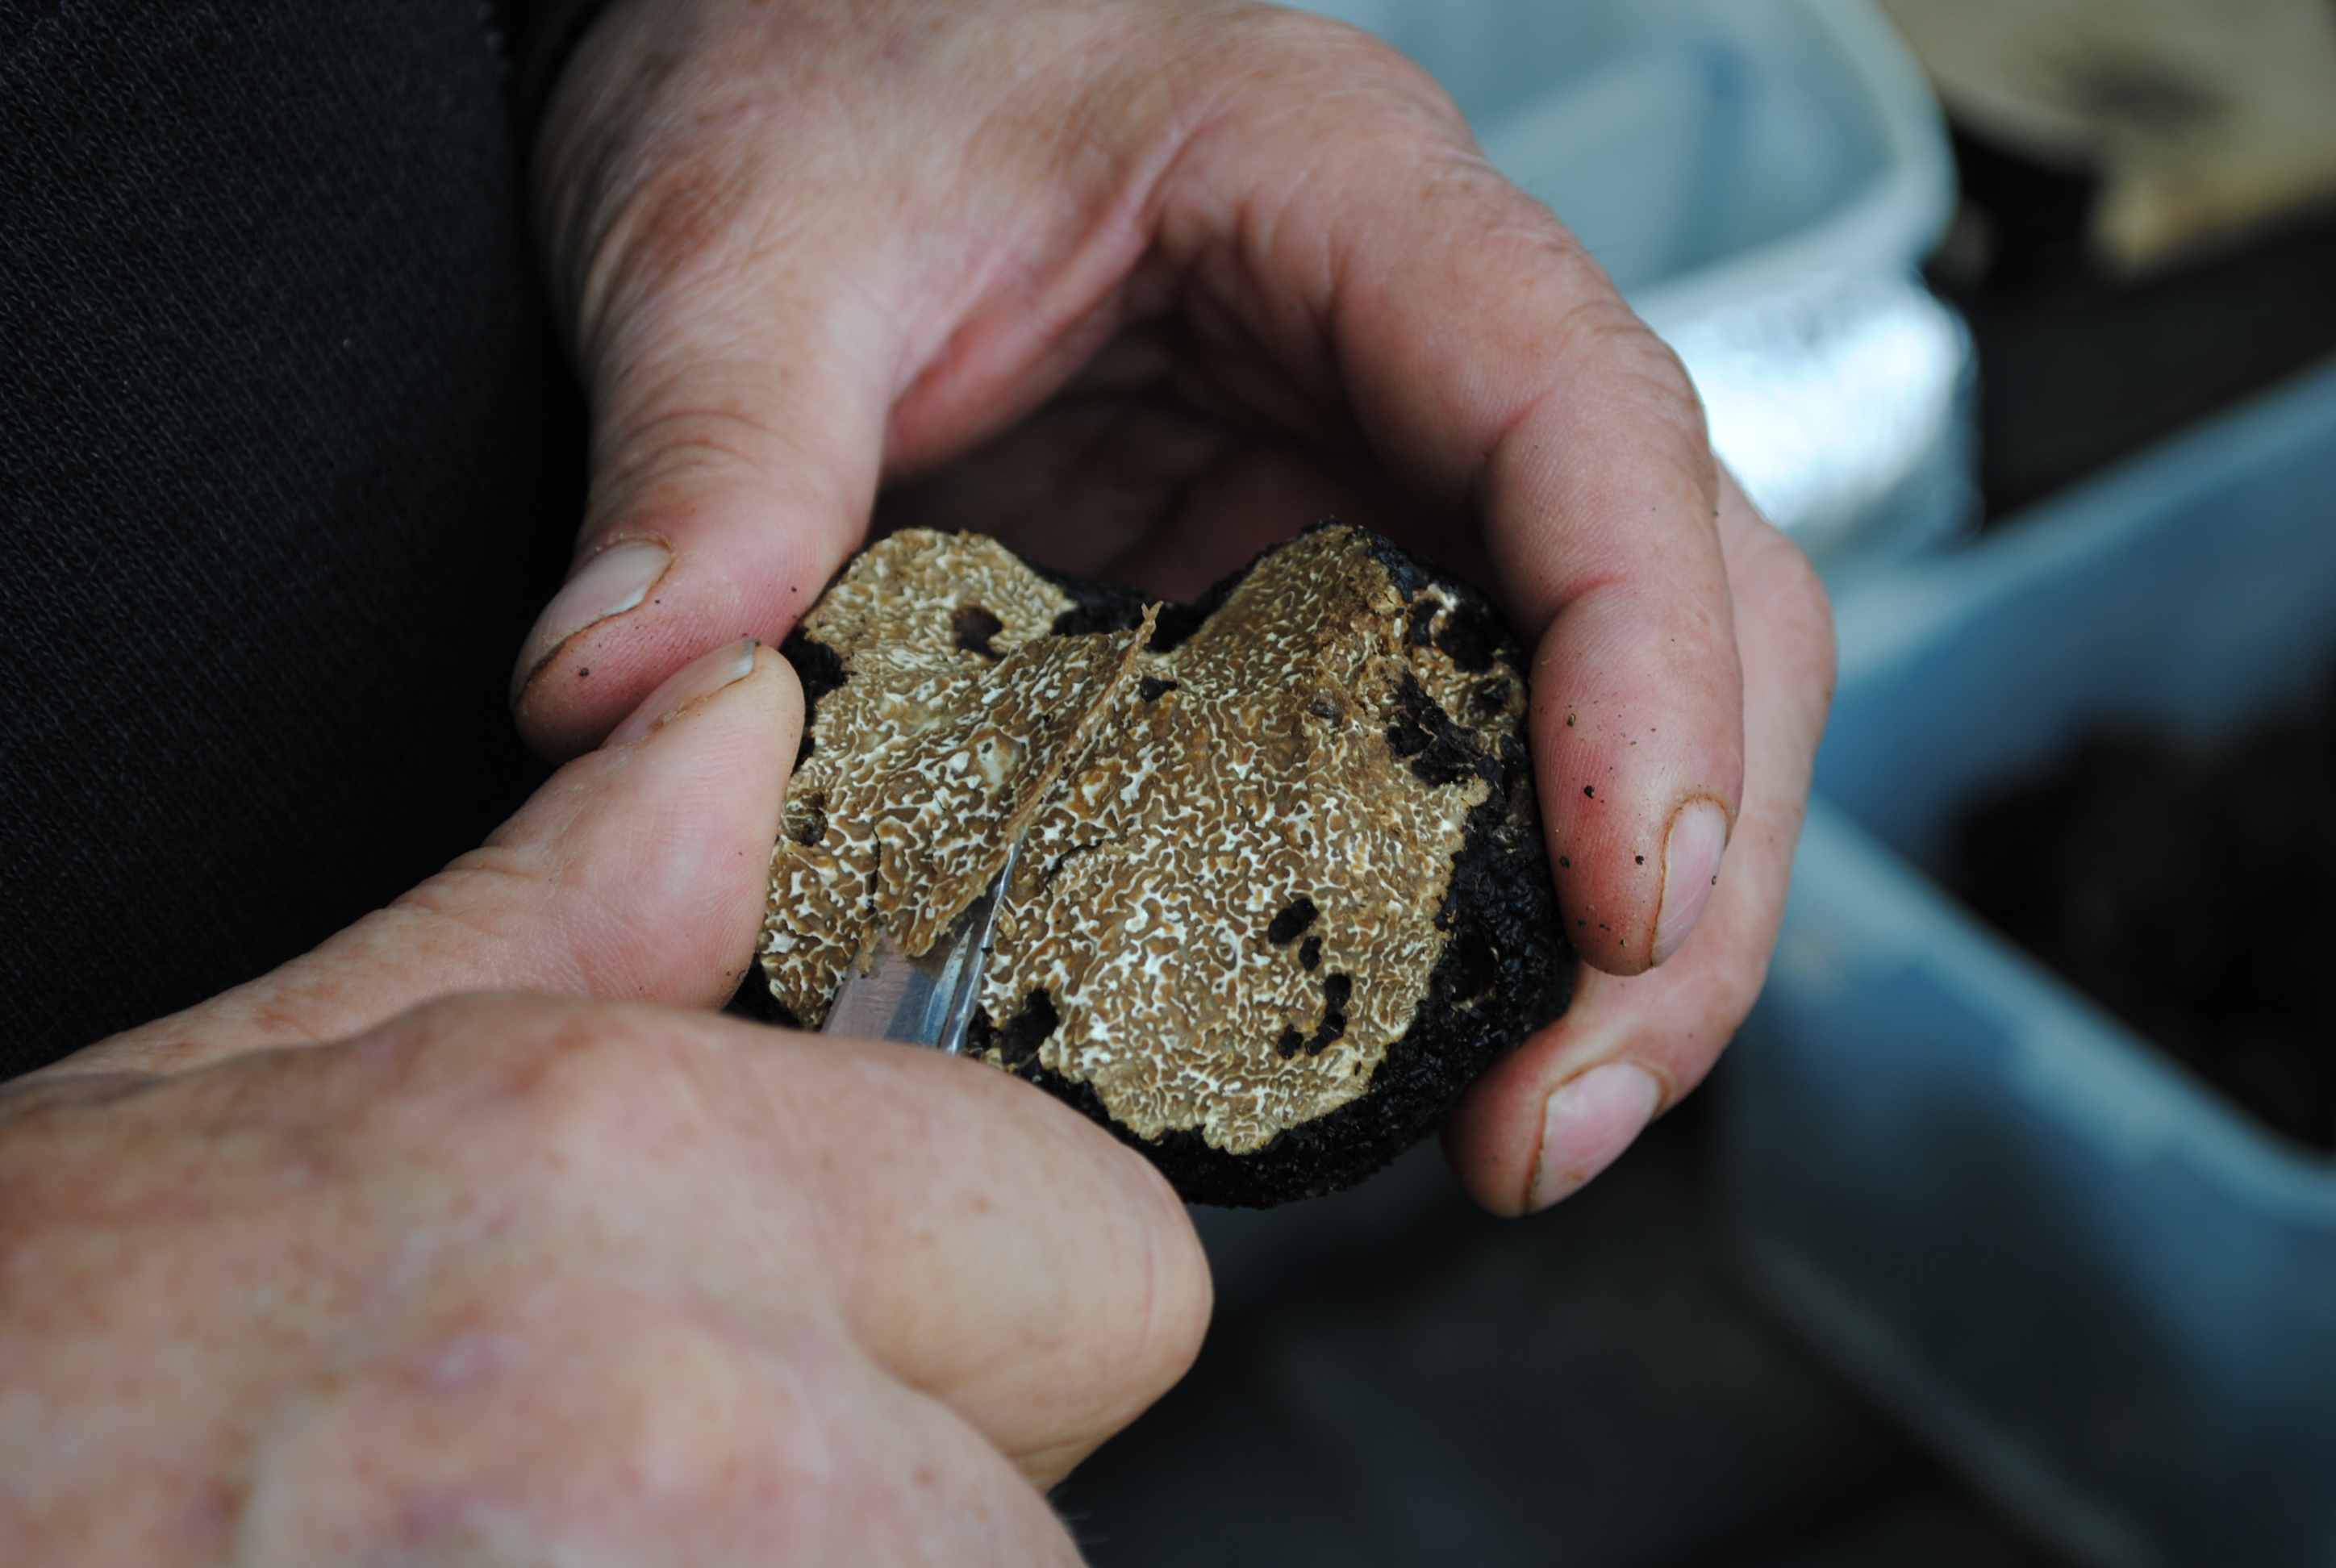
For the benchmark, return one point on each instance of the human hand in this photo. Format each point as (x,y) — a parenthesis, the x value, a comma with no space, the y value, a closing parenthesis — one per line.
(1141,287)
(312,1273)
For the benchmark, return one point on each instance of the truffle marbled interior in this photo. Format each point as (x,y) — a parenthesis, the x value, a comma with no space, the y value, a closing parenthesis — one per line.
(1240,849)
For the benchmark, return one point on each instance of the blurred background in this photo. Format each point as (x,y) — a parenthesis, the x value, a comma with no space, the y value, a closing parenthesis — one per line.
(2007,1232)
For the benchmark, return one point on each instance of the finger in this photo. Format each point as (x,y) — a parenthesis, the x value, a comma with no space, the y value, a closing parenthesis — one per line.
(1558,1110)
(1342,217)
(985,1243)
(594,1429)
(637,871)
(739,376)
(1050,1288)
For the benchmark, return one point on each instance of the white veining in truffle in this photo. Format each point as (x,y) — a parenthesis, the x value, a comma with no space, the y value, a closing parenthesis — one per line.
(1234,852)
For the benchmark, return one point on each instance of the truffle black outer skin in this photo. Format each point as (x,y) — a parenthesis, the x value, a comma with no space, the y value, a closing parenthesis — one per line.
(1506,968)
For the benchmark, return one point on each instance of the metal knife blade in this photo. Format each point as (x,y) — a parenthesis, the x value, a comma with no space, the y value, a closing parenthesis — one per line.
(928,1001)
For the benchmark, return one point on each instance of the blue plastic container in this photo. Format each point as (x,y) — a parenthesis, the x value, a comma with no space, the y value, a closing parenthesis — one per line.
(2104,1291)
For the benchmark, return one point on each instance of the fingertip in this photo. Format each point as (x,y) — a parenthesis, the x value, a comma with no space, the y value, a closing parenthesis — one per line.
(695,684)
(1638,741)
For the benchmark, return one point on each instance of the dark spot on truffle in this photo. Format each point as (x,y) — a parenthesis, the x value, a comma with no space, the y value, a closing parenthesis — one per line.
(820,669)
(1019,1040)
(1152,688)
(972,626)
(1469,637)
(1439,751)
(1407,740)
(1419,626)
(1504,967)
(1292,922)
(812,828)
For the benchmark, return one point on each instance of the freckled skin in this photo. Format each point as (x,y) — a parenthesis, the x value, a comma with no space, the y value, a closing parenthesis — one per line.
(1292,767)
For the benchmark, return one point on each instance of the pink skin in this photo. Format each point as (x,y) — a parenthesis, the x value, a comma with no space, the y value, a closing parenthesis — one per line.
(354,1264)
(1140,286)
(327,1271)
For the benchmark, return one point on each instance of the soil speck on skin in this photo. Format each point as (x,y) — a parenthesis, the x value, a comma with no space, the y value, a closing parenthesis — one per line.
(1565,862)
(1642,861)
(584,674)
(1590,791)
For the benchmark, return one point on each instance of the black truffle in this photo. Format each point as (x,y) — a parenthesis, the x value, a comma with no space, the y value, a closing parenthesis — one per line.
(1282,892)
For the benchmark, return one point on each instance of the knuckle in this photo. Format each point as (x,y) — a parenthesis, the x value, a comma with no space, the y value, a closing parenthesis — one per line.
(674,213)
(1326,51)
(1155,1265)
(1640,369)
(592,1081)
(1787,591)
(1808,612)
(1320,87)
(614,1417)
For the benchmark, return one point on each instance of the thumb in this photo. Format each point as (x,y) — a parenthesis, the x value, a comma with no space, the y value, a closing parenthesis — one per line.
(636,873)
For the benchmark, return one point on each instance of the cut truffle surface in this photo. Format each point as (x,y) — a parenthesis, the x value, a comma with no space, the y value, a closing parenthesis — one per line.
(1281,892)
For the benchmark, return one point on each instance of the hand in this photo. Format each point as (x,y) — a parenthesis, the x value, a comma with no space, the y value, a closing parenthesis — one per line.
(525,1279)
(1142,285)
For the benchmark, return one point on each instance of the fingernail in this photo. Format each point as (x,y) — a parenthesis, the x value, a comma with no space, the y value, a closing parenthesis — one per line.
(1586,1122)
(701,677)
(1692,853)
(610,583)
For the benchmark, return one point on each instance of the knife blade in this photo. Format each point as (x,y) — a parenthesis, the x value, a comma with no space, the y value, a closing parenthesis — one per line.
(928,1001)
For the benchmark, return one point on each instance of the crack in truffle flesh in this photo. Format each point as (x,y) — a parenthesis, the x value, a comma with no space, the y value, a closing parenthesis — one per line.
(1316,758)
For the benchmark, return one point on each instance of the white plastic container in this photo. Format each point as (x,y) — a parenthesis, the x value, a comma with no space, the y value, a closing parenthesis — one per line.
(2105,1291)
(1762,177)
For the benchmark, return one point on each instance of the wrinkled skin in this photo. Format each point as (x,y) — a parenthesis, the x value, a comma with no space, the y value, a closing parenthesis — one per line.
(356,1264)
(1140,286)
(322,1271)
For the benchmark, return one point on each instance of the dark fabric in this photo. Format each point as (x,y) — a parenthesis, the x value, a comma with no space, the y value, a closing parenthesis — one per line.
(285,468)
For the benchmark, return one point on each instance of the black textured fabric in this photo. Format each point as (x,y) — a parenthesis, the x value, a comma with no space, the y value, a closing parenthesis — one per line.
(277,497)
